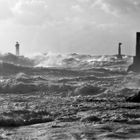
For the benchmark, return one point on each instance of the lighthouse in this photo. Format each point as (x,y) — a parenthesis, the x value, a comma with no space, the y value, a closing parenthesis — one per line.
(17,48)
(119,56)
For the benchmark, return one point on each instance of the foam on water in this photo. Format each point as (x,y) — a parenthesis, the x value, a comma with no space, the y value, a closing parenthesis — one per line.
(67,60)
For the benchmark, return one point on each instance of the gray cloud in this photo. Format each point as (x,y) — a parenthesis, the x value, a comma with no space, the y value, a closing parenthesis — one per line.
(38,12)
(30,12)
(5,11)
(123,7)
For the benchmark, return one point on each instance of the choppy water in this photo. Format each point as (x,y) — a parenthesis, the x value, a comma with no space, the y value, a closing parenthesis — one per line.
(68,97)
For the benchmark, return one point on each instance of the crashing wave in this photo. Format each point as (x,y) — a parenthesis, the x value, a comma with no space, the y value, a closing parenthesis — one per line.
(61,60)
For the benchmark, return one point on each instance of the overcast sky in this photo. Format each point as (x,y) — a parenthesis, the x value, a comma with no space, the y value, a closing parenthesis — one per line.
(66,26)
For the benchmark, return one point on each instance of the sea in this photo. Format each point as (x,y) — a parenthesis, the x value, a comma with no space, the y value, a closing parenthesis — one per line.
(68,97)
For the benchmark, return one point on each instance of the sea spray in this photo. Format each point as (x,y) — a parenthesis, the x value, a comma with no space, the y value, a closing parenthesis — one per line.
(63,60)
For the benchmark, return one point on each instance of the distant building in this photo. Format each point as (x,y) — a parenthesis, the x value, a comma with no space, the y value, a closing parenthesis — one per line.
(136,62)
(17,48)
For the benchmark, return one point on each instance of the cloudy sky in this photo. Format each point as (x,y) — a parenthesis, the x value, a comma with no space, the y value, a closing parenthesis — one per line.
(66,26)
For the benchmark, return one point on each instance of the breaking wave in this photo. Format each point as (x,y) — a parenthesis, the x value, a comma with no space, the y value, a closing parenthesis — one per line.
(78,60)
(61,60)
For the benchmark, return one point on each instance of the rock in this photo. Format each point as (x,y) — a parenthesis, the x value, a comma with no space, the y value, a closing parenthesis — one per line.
(134,98)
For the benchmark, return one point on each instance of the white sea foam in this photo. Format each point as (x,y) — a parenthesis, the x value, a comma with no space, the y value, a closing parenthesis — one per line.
(64,60)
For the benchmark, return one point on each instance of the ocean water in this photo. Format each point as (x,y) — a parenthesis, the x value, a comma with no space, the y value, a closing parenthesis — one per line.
(68,97)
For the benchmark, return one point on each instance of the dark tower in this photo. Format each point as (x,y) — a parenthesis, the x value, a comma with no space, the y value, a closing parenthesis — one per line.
(17,48)
(119,56)
(137,57)
(136,63)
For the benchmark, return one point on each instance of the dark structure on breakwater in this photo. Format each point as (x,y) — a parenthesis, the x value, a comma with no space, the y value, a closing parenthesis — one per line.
(17,48)
(136,63)
(119,56)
